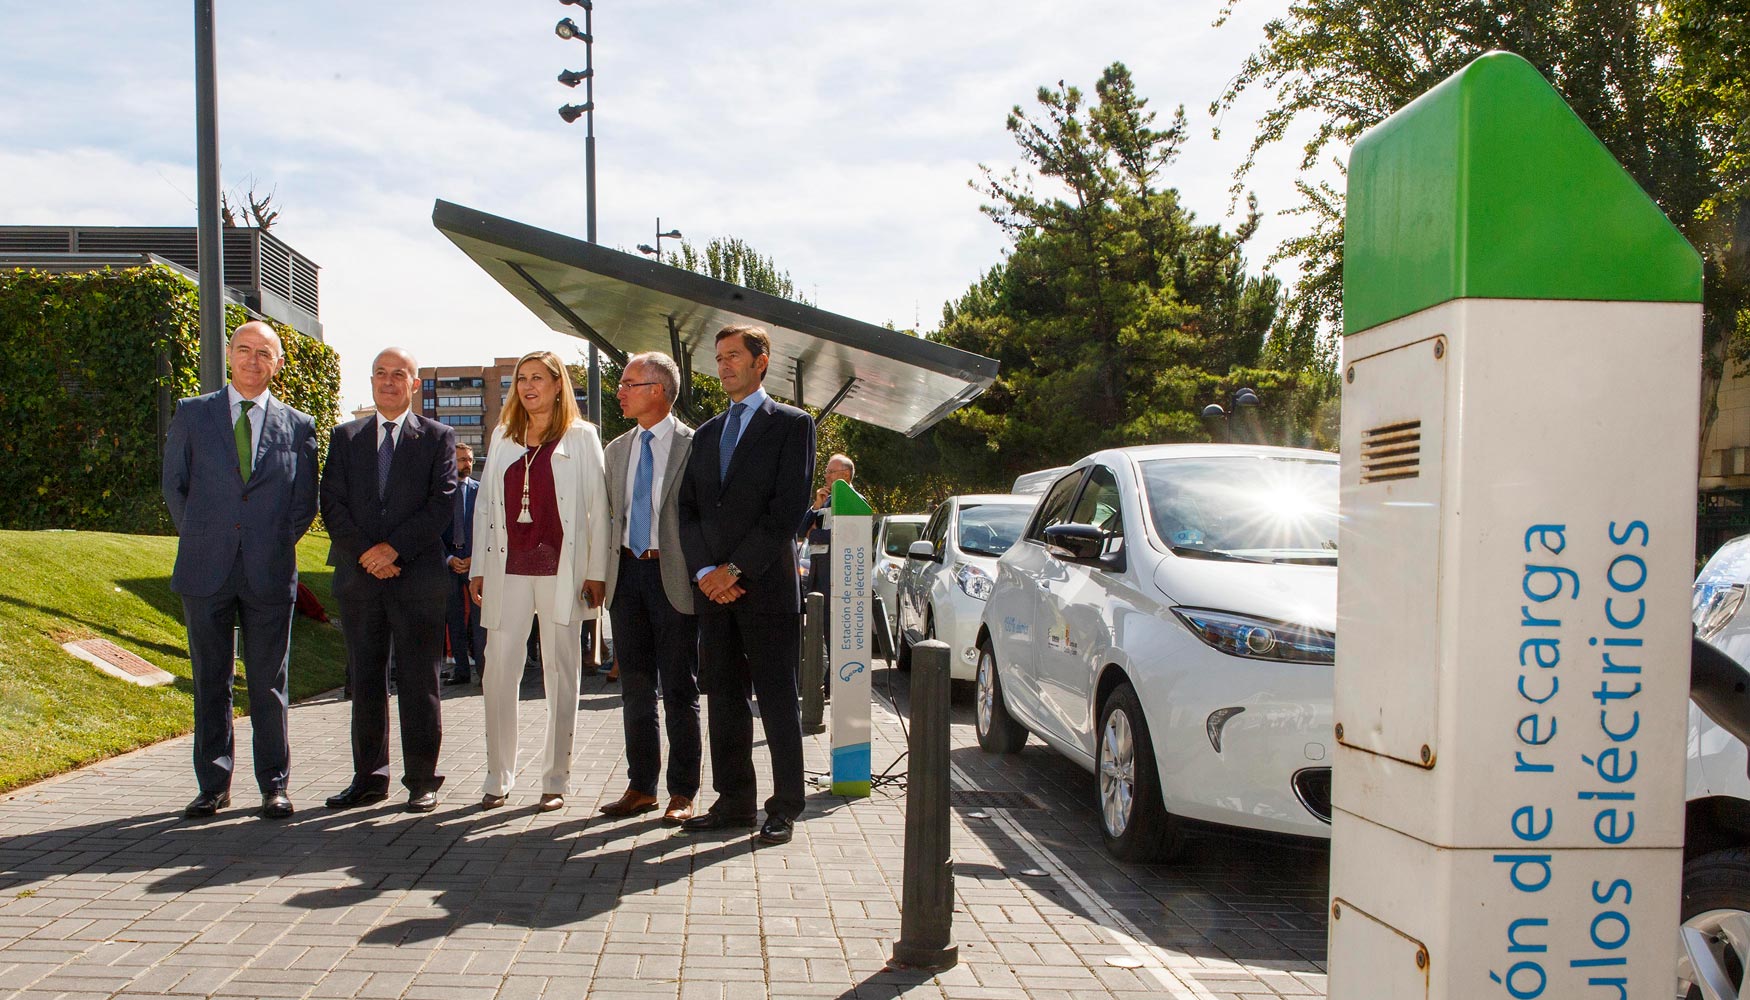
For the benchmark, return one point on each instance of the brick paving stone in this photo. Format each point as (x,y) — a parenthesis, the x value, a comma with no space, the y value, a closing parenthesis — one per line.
(106,891)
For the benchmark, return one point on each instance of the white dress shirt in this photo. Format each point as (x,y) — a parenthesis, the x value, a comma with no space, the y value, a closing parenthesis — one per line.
(384,428)
(661,443)
(257,416)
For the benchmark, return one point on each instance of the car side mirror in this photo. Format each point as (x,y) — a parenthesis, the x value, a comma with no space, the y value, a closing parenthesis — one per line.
(1075,542)
(923,549)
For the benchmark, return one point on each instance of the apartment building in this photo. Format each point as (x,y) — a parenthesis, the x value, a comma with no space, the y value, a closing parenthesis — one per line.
(470,399)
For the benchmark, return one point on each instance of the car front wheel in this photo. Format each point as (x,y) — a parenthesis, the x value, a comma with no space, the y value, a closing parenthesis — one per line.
(1714,947)
(998,732)
(1133,821)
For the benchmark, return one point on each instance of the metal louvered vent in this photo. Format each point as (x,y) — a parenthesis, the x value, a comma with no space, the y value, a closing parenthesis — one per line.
(1391,451)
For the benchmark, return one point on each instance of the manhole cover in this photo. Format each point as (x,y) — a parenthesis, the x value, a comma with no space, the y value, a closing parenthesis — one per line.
(974,798)
(117,662)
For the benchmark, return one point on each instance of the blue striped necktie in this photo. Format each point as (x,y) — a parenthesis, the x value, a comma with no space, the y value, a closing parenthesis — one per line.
(385,455)
(731,434)
(638,530)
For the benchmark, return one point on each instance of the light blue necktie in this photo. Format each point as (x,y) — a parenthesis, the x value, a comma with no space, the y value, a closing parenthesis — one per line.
(731,434)
(638,533)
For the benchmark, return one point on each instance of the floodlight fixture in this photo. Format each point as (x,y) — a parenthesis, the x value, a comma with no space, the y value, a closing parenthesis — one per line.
(585,4)
(572,112)
(647,248)
(573,77)
(567,28)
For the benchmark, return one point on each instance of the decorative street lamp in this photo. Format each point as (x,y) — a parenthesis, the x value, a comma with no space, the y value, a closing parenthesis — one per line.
(1244,407)
(656,251)
(568,30)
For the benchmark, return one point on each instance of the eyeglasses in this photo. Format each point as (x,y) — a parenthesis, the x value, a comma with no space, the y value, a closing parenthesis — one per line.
(634,385)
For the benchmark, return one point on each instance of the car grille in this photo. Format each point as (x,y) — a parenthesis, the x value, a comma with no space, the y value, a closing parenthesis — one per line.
(1313,787)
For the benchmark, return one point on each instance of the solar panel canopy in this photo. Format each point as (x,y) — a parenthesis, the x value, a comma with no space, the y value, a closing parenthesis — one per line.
(627,304)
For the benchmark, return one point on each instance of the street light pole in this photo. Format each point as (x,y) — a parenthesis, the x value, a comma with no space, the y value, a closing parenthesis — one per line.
(656,251)
(209,260)
(567,29)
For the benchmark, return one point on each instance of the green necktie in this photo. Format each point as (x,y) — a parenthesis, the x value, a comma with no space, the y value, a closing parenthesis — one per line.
(245,451)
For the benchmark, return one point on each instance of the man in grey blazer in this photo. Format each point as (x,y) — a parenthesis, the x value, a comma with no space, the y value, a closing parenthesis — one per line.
(239,478)
(649,595)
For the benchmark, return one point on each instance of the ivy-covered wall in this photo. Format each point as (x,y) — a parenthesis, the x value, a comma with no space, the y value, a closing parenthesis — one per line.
(91,365)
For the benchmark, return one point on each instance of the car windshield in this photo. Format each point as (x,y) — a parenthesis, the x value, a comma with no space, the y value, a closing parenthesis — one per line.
(1244,507)
(988,529)
(900,535)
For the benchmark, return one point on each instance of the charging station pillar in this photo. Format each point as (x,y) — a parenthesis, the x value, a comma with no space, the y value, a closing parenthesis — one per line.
(849,638)
(1521,389)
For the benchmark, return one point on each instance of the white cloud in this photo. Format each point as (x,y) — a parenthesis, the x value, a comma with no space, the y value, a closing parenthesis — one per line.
(838,140)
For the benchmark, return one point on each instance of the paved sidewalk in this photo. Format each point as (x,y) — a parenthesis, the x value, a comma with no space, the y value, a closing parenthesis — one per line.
(106,891)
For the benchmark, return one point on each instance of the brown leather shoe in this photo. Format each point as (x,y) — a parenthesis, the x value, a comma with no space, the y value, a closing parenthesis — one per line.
(550,801)
(631,803)
(680,809)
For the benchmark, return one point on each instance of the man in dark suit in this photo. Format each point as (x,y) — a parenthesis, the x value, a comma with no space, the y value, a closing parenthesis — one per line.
(461,618)
(650,593)
(745,489)
(388,492)
(240,481)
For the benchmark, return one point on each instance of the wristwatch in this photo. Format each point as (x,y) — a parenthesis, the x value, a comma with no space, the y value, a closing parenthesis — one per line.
(733,569)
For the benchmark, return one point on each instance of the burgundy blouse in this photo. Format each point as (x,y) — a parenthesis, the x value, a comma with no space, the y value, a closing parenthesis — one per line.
(534,547)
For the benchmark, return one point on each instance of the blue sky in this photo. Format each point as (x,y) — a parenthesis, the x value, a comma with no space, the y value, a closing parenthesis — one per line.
(836,138)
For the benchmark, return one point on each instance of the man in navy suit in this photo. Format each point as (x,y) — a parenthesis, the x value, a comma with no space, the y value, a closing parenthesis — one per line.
(388,493)
(461,620)
(745,489)
(239,478)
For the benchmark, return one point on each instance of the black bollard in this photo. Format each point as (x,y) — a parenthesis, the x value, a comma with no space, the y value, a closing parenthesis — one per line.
(814,664)
(926,920)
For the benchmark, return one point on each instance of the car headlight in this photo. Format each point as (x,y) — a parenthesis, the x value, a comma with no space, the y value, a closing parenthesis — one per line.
(1719,609)
(974,582)
(1259,638)
(890,572)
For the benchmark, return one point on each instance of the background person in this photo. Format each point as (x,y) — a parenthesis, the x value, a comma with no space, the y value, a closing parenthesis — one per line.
(239,477)
(650,595)
(743,494)
(542,518)
(388,493)
(461,619)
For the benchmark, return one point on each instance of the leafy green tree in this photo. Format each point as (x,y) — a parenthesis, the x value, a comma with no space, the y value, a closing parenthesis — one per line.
(1116,312)
(1662,85)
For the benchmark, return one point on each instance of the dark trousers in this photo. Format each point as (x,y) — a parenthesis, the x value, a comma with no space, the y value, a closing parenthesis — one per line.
(751,652)
(657,647)
(267,641)
(462,625)
(413,619)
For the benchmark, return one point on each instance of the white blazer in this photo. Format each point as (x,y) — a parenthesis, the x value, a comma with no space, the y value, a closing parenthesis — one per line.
(580,486)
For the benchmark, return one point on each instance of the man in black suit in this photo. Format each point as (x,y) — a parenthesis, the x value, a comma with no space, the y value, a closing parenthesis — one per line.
(387,496)
(744,491)
(240,482)
(462,619)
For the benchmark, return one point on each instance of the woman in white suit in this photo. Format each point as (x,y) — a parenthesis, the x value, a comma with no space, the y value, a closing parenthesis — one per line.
(540,552)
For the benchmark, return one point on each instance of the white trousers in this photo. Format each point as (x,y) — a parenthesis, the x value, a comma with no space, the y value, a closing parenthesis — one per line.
(561,662)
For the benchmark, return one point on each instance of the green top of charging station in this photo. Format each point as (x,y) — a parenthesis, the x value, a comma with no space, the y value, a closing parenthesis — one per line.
(1489,186)
(848,501)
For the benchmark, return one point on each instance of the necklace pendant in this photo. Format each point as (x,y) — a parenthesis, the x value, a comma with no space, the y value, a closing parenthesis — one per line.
(524,517)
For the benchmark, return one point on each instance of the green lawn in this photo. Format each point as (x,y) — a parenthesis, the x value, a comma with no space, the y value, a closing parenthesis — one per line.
(58,712)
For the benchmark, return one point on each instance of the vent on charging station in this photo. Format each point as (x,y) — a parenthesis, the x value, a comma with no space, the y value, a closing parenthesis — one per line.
(1391,451)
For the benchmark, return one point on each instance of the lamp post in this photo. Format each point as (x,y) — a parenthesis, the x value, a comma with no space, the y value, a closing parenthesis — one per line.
(209,260)
(1244,406)
(568,29)
(656,251)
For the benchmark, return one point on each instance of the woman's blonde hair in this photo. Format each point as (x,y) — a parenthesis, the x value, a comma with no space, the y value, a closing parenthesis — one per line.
(515,419)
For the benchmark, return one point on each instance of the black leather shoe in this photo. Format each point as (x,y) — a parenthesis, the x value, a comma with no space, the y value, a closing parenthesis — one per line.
(275,805)
(777,830)
(354,795)
(422,802)
(455,679)
(713,820)
(206,803)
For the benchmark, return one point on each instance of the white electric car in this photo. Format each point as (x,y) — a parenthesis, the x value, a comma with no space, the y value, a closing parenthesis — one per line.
(948,573)
(1715,943)
(893,538)
(1167,621)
